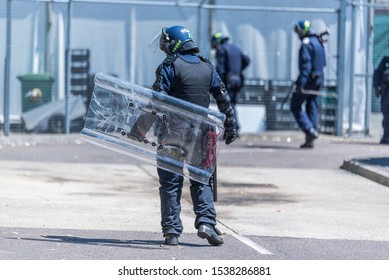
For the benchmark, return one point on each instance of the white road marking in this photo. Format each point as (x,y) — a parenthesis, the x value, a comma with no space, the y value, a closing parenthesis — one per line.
(251,244)
(246,240)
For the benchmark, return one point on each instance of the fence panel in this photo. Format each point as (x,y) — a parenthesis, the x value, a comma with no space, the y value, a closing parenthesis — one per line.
(112,37)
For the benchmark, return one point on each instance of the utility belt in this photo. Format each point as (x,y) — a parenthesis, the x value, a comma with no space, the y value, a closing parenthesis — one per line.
(232,75)
(234,80)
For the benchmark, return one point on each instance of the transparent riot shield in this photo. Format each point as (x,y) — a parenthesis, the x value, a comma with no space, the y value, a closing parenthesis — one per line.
(154,127)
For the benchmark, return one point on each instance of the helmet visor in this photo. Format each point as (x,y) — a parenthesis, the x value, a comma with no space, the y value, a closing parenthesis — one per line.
(154,44)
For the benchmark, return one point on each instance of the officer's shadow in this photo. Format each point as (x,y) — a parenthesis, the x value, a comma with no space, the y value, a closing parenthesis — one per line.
(135,244)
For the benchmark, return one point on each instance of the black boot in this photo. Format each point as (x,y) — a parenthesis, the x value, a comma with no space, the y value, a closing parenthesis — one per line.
(310,137)
(211,233)
(171,239)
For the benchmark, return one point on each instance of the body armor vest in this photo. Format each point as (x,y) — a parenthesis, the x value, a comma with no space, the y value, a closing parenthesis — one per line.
(192,81)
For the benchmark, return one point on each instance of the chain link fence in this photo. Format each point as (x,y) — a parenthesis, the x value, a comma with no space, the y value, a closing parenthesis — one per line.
(52,50)
(381,44)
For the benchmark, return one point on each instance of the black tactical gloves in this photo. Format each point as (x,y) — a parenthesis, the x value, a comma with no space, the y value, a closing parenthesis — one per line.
(378,91)
(230,135)
(230,131)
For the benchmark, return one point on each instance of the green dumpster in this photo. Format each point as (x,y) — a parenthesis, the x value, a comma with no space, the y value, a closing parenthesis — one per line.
(36,90)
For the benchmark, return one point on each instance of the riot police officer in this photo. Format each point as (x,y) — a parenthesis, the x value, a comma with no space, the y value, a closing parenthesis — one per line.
(381,86)
(311,63)
(230,62)
(188,76)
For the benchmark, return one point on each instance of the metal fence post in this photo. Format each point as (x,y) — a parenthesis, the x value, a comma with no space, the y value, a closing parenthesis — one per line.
(352,70)
(369,67)
(341,66)
(68,68)
(7,68)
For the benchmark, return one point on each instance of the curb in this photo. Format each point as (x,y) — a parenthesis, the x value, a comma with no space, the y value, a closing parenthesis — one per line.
(366,171)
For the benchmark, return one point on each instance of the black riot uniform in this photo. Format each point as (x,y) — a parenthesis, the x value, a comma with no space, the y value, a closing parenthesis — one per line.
(312,60)
(230,63)
(381,86)
(185,75)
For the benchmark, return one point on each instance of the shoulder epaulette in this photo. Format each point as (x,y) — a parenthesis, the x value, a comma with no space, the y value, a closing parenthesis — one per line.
(203,58)
(170,59)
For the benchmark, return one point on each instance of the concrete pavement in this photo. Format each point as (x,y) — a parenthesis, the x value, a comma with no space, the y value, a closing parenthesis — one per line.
(63,190)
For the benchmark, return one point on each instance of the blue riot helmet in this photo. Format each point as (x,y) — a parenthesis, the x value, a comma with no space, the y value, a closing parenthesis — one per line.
(217,39)
(176,39)
(302,28)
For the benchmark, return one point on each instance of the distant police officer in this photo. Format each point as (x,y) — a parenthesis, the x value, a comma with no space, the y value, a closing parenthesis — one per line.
(381,86)
(230,62)
(185,75)
(311,63)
